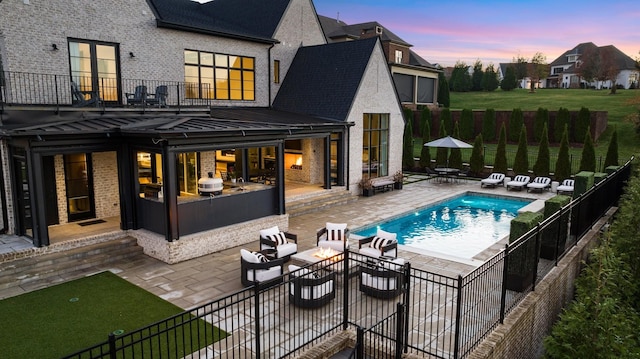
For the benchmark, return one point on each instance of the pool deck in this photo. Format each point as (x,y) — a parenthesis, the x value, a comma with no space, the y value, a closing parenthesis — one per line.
(200,280)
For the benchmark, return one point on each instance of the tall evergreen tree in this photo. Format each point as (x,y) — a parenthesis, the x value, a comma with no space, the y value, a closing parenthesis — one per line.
(541,120)
(583,122)
(442,152)
(445,117)
(563,163)
(425,155)
(489,125)
(541,167)
(455,156)
(425,116)
(476,162)
(612,150)
(521,161)
(509,81)
(490,80)
(588,159)
(478,75)
(500,161)
(466,124)
(460,78)
(443,90)
(407,148)
(563,118)
(516,122)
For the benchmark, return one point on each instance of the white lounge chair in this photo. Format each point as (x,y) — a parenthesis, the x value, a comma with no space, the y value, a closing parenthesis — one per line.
(334,236)
(493,180)
(519,182)
(539,183)
(565,187)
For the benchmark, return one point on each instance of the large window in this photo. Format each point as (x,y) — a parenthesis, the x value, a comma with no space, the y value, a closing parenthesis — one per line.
(404,86)
(94,68)
(219,76)
(375,144)
(426,90)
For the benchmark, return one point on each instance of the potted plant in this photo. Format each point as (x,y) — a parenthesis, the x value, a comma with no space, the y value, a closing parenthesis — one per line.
(367,186)
(398,178)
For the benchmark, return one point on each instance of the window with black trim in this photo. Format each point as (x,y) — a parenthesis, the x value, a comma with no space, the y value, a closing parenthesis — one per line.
(219,76)
(276,71)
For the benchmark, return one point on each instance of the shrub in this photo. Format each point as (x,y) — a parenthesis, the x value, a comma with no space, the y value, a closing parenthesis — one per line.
(588,159)
(563,118)
(583,122)
(500,162)
(509,81)
(541,167)
(516,121)
(443,90)
(476,162)
(441,152)
(541,120)
(407,148)
(445,117)
(489,125)
(466,124)
(521,161)
(563,163)
(425,116)
(455,157)
(425,154)
(612,150)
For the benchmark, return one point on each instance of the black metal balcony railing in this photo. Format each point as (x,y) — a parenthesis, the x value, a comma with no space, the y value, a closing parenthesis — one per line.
(21,88)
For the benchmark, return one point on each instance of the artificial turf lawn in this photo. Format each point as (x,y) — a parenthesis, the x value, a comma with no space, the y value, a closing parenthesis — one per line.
(60,320)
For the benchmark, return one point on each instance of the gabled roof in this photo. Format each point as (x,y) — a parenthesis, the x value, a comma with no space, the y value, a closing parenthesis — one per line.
(623,62)
(252,20)
(578,50)
(417,60)
(336,29)
(323,80)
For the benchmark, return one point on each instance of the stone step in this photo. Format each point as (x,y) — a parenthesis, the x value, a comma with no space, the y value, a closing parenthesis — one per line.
(35,271)
(319,201)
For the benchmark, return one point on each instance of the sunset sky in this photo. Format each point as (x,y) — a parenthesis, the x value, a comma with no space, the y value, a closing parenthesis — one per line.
(496,31)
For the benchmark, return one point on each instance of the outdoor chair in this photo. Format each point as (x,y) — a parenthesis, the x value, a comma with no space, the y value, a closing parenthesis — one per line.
(256,268)
(383,244)
(493,180)
(334,236)
(519,182)
(539,184)
(79,96)
(383,280)
(311,288)
(283,243)
(159,98)
(565,187)
(138,97)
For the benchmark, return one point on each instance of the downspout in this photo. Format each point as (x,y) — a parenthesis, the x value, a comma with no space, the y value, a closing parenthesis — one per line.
(269,74)
(347,143)
(3,195)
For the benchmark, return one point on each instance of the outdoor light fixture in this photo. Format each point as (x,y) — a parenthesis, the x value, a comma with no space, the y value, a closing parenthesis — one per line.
(54,47)
(131,55)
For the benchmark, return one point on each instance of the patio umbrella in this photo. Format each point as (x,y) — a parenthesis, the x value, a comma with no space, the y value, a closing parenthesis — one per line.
(448,142)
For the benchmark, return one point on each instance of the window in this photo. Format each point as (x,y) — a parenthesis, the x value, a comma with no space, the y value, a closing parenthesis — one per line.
(572,58)
(398,56)
(375,144)
(276,71)
(219,76)
(404,86)
(426,90)
(94,66)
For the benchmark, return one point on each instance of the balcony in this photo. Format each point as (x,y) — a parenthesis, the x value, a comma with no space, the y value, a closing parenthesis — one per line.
(38,90)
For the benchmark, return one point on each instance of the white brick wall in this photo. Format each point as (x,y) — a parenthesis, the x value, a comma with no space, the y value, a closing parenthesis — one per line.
(105,184)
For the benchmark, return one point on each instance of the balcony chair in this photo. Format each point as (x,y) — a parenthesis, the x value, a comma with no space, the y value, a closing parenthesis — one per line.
(79,99)
(311,288)
(256,268)
(383,280)
(383,244)
(334,236)
(138,97)
(519,182)
(283,243)
(159,98)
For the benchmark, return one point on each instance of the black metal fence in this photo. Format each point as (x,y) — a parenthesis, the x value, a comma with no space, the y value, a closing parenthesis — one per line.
(406,310)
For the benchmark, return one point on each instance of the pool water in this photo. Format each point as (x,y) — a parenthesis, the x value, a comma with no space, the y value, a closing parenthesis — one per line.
(462,226)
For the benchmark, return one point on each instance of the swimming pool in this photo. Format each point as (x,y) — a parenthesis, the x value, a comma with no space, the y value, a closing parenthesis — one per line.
(462,226)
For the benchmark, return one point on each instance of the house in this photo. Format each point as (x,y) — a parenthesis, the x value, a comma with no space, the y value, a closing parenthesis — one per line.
(524,82)
(415,79)
(565,70)
(123,110)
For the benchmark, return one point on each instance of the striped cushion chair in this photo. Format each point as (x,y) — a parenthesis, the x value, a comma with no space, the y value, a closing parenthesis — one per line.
(334,236)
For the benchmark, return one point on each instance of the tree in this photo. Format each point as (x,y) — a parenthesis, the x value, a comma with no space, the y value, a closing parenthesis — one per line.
(589,64)
(442,152)
(563,118)
(516,122)
(460,78)
(612,150)
(478,75)
(521,161)
(541,120)
(583,122)
(520,67)
(489,124)
(476,162)
(445,116)
(490,80)
(407,143)
(466,124)
(425,155)
(500,161)
(563,163)
(588,159)
(541,167)
(538,69)
(610,69)
(509,81)
(455,155)
(443,90)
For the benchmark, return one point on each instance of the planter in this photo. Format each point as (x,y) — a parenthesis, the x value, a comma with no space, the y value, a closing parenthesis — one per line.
(397,185)
(367,192)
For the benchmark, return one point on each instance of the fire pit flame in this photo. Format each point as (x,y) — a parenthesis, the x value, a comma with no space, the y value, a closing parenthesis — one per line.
(325,252)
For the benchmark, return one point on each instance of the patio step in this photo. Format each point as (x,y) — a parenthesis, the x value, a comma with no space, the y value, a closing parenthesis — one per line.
(41,271)
(318,201)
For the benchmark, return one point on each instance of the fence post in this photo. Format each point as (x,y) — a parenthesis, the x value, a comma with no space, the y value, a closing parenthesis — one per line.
(345,294)
(456,341)
(536,258)
(112,346)
(256,297)
(556,252)
(407,298)
(400,309)
(178,95)
(360,343)
(505,271)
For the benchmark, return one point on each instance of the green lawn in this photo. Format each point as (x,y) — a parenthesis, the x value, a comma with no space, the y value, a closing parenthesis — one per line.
(62,319)
(620,107)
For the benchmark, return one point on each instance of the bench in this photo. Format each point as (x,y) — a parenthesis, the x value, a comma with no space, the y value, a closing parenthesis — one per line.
(382,184)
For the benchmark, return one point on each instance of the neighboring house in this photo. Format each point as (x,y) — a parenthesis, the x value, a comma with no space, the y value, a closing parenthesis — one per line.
(416,80)
(565,69)
(119,110)
(524,83)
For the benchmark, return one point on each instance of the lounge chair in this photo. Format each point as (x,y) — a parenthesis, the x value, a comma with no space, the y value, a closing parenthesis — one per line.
(256,268)
(309,288)
(539,183)
(519,182)
(283,243)
(334,236)
(493,180)
(79,96)
(384,280)
(159,98)
(138,97)
(383,244)
(565,187)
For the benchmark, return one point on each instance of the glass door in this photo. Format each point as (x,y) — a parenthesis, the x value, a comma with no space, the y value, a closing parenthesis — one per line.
(23,197)
(94,67)
(188,173)
(79,185)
